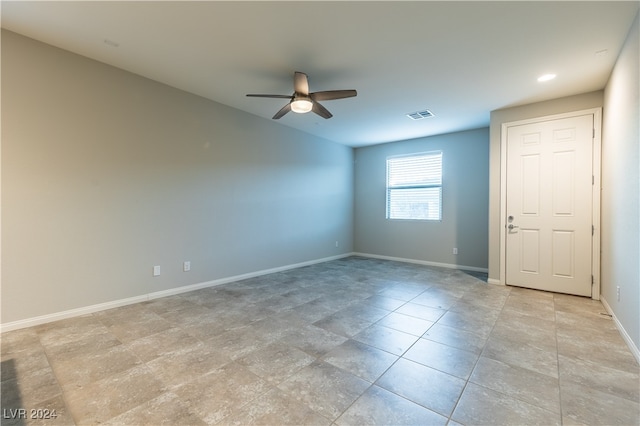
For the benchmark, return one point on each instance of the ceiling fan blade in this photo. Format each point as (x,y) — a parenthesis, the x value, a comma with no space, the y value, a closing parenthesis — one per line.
(270,96)
(321,111)
(285,109)
(301,83)
(332,94)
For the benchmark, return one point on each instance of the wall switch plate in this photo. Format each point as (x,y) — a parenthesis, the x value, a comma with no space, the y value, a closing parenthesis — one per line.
(186,266)
(156,270)
(618,293)
(455,250)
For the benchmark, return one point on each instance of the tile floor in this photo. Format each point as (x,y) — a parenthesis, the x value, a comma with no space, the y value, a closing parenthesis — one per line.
(353,341)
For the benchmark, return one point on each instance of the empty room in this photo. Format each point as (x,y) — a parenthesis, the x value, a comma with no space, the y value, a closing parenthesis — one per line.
(318,213)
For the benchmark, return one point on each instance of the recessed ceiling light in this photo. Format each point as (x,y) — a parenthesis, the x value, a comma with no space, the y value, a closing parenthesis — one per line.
(546,77)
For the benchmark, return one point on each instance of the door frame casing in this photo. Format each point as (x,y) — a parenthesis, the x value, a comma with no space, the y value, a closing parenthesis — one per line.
(595,189)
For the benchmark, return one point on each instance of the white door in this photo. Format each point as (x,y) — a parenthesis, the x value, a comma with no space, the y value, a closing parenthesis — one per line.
(549,205)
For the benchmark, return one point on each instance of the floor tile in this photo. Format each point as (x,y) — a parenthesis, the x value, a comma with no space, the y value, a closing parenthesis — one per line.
(445,358)
(166,409)
(476,324)
(99,401)
(162,343)
(458,338)
(360,359)
(420,311)
(276,362)
(387,339)
(430,388)
(275,408)
(324,388)
(75,371)
(384,302)
(313,340)
(483,406)
(29,390)
(343,324)
(584,405)
(528,386)
(187,364)
(436,298)
(514,351)
(322,345)
(380,407)
(218,394)
(405,323)
(621,383)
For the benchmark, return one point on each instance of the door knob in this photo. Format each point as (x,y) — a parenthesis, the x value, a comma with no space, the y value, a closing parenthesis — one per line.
(512,226)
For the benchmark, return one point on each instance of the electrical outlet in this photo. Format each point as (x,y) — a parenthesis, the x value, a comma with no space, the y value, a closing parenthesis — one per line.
(618,292)
(186,266)
(156,270)
(455,250)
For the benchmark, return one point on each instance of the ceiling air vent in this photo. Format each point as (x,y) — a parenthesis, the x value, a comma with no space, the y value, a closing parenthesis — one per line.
(419,115)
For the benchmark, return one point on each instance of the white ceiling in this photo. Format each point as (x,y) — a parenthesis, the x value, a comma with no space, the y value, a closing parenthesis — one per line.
(460,60)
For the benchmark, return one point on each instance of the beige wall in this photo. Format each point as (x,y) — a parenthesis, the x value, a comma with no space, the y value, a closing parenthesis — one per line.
(106,174)
(621,190)
(498,117)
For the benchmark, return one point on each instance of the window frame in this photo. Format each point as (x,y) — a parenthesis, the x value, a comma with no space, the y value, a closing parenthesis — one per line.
(416,185)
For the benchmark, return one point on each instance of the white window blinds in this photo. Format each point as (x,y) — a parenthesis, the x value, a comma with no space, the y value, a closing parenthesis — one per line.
(414,187)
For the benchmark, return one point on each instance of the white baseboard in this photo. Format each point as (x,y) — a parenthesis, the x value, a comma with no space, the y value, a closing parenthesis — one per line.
(634,349)
(43,319)
(423,262)
(494,281)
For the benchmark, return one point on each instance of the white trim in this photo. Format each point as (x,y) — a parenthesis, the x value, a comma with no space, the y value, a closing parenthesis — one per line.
(43,319)
(494,281)
(595,211)
(634,349)
(422,262)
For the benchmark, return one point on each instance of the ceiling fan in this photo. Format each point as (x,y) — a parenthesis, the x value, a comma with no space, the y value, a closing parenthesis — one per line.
(302,101)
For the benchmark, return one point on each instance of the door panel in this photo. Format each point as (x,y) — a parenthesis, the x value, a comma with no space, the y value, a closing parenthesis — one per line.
(549,205)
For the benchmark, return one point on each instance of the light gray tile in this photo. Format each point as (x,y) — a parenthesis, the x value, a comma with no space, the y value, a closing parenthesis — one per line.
(442,357)
(456,337)
(430,388)
(183,366)
(387,339)
(483,406)
(276,362)
(514,351)
(109,397)
(406,323)
(380,407)
(584,405)
(218,394)
(421,311)
(362,360)
(166,409)
(528,386)
(624,384)
(324,388)
(275,408)
(313,340)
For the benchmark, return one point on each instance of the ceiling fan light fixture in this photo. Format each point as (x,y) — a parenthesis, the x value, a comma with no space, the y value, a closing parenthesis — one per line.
(301,106)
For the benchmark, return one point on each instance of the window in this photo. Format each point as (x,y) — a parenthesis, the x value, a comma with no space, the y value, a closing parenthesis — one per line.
(414,187)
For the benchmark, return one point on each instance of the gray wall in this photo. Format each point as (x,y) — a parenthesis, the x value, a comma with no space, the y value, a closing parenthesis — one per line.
(464,211)
(105,174)
(498,117)
(621,189)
